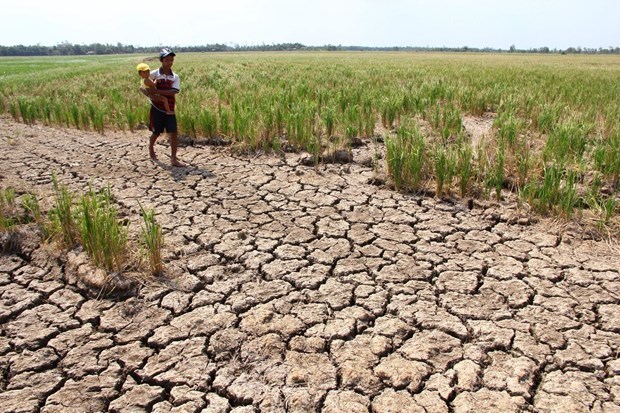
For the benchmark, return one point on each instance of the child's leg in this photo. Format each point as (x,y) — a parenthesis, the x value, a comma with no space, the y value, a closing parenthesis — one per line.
(164,100)
(166,105)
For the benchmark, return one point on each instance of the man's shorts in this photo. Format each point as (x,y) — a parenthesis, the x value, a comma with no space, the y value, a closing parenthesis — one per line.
(160,122)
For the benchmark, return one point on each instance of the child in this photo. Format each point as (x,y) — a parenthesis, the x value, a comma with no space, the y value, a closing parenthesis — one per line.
(145,73)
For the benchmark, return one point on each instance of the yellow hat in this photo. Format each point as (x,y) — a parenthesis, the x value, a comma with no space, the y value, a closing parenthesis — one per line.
(143,66)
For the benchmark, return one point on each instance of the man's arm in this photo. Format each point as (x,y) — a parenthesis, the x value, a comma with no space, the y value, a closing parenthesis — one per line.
(150,91)
(163,92)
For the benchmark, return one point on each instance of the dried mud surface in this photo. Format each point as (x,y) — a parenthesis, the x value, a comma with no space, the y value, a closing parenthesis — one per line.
(292,291)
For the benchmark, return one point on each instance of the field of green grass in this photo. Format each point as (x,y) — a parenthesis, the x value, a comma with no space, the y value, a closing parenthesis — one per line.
(555,139)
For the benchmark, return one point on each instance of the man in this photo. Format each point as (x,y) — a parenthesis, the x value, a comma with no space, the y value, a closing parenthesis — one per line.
(168,85)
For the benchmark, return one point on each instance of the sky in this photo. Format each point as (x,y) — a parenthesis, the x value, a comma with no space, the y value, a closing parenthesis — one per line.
(496,24)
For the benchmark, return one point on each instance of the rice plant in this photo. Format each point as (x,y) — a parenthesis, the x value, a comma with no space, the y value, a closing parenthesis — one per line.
(608,208)
(62,222)
(465,168)
(11,215)
(9,222)
(27,110)
(32,208)
(508,128)
(495,174)
(33,213)
(224,122)
(153,241)
(101,234)
(329,121)
(8,211)
(445,163)
(208,123)
(567,142)
(75,115)
(474,102)
(446,119)
(568,195)
(554,192)
(95,117)
(14,111)
(523,164)
(406,157)
(606,155)
(548,117)
(390,111)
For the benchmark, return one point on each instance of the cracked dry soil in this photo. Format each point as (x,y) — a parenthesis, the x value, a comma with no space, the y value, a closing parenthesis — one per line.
(292,291)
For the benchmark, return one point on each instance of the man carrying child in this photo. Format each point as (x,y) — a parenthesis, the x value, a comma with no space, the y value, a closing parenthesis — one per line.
(162,118)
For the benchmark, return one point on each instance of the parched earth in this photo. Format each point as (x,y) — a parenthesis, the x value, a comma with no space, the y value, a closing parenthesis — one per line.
(288,290)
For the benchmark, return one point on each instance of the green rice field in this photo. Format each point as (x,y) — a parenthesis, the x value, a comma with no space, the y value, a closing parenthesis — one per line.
(554,141)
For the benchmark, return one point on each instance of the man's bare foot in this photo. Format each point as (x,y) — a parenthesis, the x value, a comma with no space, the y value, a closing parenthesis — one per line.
(152,155)
(176,162)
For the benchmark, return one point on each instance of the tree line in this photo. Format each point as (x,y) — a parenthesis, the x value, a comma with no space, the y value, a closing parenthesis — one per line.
(69,49)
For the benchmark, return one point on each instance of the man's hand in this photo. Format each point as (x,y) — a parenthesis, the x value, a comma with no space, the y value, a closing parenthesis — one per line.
(147,91)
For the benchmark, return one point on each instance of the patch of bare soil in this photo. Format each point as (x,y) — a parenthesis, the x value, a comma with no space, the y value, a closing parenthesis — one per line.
(479,128)
(294,290)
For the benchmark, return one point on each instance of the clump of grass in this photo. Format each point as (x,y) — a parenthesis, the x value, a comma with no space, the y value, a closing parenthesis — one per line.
(329,120)
(568,196)
(14,110)
(33,213)
(315,147)
(606,156)
(11,215)
(75,115)
(464,167)
(446,119)
(406,157)
(27,110)
(32,207)
(608,207)
(495,177)
(390,111)
(567,142)
(508,128)
(131,118)
(92,221)
(548,117)
(8,212)
(9,220)
(153,241)
(188,123)
(555,192)
(14,214)
(224,122)
(524,165)
(208,123)
(102,236)
(603,206)
(62,222)
(445,168)
(96,117)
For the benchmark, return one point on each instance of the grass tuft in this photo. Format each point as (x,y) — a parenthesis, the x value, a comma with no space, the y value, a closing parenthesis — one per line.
(103,237)
(153,241)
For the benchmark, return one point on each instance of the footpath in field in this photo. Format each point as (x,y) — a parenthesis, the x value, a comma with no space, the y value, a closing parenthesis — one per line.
(292,291)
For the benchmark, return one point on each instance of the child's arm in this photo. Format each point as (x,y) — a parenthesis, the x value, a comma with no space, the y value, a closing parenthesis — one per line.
(148,82)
